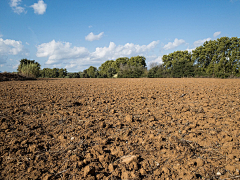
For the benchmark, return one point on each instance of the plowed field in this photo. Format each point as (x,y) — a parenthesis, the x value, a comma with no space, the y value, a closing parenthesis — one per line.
(120,129)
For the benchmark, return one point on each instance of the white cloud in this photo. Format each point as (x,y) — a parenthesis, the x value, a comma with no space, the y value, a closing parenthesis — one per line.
(92,37)
(175,43)
(158,60)
(14,4)
(153,61)
(129,49)
(40,7)
(200,42)
(216,33)
(27,43)
(76,57)
(59,51)
(10,47)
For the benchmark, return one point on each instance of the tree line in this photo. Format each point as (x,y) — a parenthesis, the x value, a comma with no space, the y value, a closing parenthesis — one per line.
(215,58)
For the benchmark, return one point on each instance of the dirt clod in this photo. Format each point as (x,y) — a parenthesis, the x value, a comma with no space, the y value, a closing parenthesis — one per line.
(120,129)
(89,170)
(129,159)
(129,118)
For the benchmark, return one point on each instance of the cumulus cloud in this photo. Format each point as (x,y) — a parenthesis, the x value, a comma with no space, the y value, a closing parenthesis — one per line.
(200,42)
(216,33)
(153,61)
(58,51)
(10,47)
(158,60)
(64,53)
(129,49)
(175,43)
(40,7)
(14,4)
(92,37)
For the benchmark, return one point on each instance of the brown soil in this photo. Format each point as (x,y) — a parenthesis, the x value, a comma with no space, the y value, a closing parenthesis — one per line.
(14,77)
(120,129)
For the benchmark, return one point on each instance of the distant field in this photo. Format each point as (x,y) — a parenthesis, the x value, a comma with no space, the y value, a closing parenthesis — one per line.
(120,129)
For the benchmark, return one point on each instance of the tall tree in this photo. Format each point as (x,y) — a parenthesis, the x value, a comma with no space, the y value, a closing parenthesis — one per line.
(137,61)
(92,72)
(104,68)
(118,62)
(218,58)
(29,68)
(26,61)
(178,64)
(157,71)
(62,73)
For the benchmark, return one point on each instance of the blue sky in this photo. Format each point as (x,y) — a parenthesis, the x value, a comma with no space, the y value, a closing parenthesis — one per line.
(76,34)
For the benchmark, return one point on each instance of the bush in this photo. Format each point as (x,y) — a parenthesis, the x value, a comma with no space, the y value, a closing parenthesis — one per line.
(29,70)
(128,71)
(53,73)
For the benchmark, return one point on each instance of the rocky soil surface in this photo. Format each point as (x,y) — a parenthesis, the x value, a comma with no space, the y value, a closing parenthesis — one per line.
(120,129)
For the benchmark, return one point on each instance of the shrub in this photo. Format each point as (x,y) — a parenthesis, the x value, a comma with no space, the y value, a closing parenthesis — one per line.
(29,70)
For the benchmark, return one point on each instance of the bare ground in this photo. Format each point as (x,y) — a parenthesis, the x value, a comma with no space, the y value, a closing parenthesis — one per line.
(120,129)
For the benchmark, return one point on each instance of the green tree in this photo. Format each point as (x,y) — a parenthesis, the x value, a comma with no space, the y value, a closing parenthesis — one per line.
(157,71)
(92,72)
(137,61)
(75,75)
(118,62)
(47,73)
(178,64)
(111,72)
(128,71)
(55,73)
(29,68)
(218,58)
(26,61)
(182,68)
(84,74)
(203,56)
(104,68)
(62,73)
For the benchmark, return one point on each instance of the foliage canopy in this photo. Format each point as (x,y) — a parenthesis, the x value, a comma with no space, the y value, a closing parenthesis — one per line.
(215,58)
(29,68)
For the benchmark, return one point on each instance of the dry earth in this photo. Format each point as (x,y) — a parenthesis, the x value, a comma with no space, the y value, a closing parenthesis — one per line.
(120,129)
